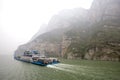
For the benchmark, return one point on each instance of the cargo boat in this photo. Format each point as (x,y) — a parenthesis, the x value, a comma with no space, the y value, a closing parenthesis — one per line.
(34,58)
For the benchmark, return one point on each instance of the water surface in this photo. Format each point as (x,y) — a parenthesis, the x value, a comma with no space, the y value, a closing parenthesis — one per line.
(11,69)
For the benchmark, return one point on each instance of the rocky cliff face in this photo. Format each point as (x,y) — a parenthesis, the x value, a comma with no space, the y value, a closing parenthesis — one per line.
(78,33)
(107,13)
(105,10)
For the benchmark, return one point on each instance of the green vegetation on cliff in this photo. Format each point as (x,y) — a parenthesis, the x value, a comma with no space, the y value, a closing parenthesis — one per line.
(98,36)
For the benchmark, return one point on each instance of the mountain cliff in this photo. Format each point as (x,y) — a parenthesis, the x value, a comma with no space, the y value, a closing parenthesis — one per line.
(50,43)
(79,33)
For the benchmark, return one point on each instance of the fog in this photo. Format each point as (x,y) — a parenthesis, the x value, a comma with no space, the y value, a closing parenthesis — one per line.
(21,19)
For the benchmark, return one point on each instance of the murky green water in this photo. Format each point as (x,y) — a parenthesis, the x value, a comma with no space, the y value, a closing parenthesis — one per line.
(11,69)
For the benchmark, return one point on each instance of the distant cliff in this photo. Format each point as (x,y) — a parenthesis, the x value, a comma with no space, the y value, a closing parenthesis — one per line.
(105,10)
(79,33)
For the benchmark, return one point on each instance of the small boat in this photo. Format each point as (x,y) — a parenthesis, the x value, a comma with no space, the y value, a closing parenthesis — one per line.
(34,58)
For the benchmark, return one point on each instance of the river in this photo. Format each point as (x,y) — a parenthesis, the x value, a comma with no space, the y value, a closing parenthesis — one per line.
(11,69)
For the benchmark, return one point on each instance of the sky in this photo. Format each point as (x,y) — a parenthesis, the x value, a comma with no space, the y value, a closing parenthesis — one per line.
(21,19)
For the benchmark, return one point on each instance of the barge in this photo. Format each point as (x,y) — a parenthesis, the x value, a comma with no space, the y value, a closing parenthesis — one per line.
(34,58)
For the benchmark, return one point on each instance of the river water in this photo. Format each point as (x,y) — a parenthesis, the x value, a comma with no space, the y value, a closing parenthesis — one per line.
(11,69)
